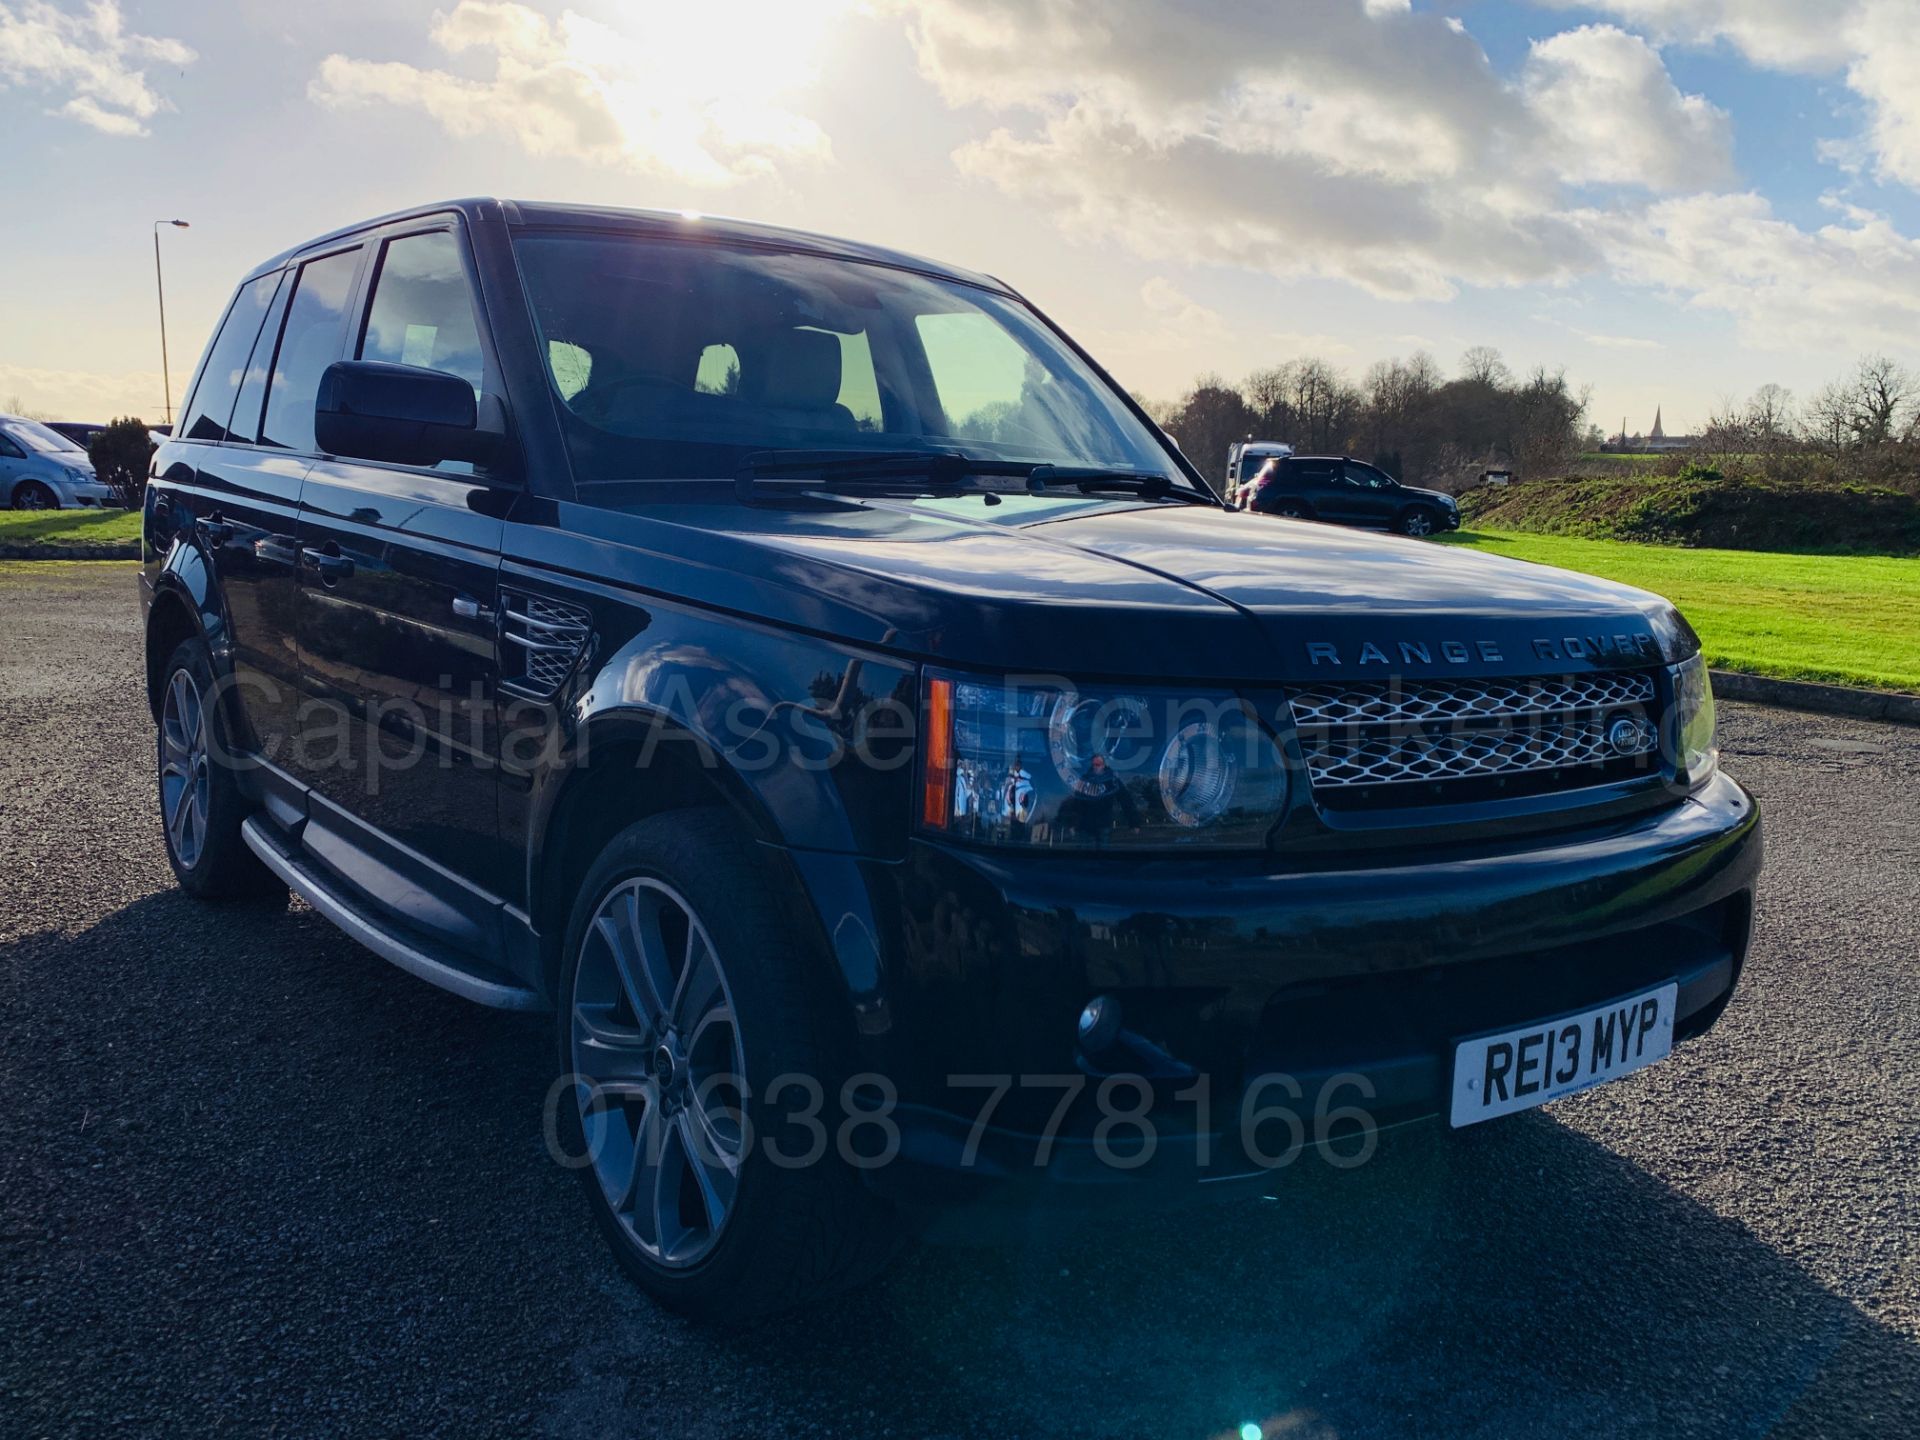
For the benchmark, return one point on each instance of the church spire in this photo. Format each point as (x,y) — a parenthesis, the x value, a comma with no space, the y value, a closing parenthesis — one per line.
(1658,433)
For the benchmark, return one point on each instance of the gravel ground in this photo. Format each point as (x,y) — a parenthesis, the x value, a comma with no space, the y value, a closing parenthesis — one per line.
(254,1180)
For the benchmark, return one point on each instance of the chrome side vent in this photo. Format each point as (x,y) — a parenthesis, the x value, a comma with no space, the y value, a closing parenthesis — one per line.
(542,641)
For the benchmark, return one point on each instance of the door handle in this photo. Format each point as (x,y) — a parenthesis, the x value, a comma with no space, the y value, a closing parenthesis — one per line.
(215,531)
(465,607)
(329,566)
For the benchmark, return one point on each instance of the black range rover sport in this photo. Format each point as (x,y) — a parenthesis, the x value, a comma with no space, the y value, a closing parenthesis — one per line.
(799,669)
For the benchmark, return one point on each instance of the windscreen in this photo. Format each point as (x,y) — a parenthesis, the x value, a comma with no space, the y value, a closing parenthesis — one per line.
(674,360)
(36,436)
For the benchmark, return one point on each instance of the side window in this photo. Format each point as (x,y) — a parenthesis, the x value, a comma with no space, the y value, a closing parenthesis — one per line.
(207,413)
(719,371)
(9,449)
(1366,477)
(980,373)
(1306,473)
(245,425)
(311,341)
(859,386)
(572,367)
(423,312)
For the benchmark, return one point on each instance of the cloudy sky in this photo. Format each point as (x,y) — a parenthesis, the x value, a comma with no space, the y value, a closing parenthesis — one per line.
(1674,200)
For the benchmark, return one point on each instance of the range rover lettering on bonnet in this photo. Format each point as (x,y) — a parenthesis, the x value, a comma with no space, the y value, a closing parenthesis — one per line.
(1466,652)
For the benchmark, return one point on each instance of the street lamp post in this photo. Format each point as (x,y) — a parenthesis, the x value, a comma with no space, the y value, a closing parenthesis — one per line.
(166,379)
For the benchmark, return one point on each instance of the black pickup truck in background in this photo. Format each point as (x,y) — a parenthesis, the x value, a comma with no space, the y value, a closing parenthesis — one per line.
(1344,491)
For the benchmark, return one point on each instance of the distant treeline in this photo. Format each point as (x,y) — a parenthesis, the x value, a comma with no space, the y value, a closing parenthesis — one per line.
(1432,429)
(1406,416)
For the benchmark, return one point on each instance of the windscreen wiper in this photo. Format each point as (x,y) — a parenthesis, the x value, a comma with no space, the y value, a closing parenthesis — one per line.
(1090,478)
(918,472)
(867,471)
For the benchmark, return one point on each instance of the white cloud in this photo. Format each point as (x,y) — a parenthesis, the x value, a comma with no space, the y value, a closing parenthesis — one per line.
(1618,342)
(1780,34)
(1845,287)
(91,58)
(1875,44)
(1326,138)
(1614,115)
(1885,72)
(697,93)
(1379,146)
(1182,312)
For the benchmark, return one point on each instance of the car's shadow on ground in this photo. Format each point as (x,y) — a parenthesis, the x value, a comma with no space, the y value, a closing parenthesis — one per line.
(281,1178)
(1518,1281)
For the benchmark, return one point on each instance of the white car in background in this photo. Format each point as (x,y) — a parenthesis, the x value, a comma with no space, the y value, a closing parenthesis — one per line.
(1244,459)
(41,469)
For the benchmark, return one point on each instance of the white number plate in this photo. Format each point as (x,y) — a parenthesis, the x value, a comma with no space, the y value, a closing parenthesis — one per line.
(1498,1074)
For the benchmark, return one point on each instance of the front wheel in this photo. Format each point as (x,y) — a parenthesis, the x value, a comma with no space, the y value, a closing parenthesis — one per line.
(686,1007)
(1419,522)
(32,495)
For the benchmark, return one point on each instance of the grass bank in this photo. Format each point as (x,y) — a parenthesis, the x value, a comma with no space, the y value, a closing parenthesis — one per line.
(69,528)
(1735,513)
(1839,619)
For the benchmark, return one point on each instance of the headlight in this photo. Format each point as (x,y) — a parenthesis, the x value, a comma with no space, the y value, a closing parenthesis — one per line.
(1049,763)
(79,477)
(1694,754)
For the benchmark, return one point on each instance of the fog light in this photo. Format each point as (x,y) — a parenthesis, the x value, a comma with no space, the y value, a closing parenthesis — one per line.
(1099,1024)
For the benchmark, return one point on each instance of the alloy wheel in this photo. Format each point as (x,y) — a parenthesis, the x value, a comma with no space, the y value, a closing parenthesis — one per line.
(1418,523)
(658,1071)
(184,772)
(34,497)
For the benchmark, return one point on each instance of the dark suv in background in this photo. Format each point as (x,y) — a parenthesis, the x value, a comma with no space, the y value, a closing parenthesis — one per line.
(802,671)
(1345,491)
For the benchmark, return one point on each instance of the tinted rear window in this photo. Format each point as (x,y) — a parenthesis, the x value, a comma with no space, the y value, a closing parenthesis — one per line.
(210,411)
(312,340)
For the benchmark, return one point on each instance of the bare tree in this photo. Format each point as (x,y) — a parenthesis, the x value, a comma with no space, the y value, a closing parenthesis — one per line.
(1210,418)
(1828,419)
(1483,365)
(1266,392)
(1769,415)
(1882,395)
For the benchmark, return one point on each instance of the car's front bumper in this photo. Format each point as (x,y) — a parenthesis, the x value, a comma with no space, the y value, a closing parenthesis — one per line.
(1232,970)
(89,495)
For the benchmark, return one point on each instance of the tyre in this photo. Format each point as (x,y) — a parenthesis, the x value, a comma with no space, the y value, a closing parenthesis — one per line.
(32,495)
(201,805)
(684,998)
(1290,509)
(1419,521)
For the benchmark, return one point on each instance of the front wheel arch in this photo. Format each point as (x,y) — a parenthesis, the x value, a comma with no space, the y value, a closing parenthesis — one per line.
(604,790)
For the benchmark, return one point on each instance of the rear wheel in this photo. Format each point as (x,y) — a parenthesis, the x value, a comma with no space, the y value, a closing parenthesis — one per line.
(685,1001)
(1291,509)
(201,805)
(1419,521)
(32,495)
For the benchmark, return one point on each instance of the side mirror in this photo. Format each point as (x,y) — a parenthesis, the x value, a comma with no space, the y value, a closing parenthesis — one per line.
(402,414)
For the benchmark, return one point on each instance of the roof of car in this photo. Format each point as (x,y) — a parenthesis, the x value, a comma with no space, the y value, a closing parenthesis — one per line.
(677,224)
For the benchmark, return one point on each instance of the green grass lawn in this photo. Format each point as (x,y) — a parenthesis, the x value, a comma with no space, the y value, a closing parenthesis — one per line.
(69,527)
(1842,619)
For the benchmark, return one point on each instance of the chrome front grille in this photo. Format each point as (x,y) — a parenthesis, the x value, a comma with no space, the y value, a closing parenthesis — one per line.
(548,636)
(1363,734)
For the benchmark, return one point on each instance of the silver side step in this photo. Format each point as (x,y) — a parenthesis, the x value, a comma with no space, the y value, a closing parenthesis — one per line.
(357,927)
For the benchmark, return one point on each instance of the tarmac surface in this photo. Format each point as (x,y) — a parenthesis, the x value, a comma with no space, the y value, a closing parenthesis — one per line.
(254,1180)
